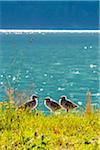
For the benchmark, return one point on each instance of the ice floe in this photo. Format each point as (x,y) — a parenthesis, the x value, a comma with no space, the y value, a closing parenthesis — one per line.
(79,103)
(45,75)
(8,31)
(92,66)
(14,78)
(1,75)
(61,89)
(76,72)
(41,89)
(85,47)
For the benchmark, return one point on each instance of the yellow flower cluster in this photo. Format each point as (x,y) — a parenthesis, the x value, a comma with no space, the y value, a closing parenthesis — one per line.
(21,130)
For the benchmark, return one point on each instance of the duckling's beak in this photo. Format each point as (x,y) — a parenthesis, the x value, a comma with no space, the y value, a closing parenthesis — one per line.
(37,96)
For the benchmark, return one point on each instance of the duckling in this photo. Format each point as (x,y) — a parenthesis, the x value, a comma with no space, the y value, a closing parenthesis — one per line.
(31,104)
(51,104)
(66,103)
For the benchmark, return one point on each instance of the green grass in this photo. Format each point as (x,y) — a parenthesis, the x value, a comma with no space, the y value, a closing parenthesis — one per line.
(23,130)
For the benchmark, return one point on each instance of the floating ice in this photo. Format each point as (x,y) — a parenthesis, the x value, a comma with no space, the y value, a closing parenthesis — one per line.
(94,104)
(26,76)
(71,95)
(76,72)
(31,68)
(1,83)
(85,47)
(80,103)
(9,76)
(94,71)
(90,46)
(71,84)
(14,78)
(92,66)
(51,76)
(41,89)
(43,33)
(1,75)
(57,63)
(96,94)
(46,31)
(61,89)
(27,71)
(45,75)
(44,83)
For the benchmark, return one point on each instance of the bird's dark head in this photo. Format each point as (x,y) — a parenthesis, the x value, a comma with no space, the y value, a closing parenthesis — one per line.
(34,97)
(47,99)
(63,97)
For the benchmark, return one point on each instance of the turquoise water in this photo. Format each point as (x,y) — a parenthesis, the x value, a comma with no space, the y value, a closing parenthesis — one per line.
(53,64)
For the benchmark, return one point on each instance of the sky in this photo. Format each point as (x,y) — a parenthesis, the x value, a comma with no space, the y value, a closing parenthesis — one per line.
(72,15)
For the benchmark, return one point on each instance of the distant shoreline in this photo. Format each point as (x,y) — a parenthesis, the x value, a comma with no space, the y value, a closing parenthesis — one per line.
(47,31)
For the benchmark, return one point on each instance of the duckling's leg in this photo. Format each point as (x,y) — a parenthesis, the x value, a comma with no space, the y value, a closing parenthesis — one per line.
(67,109)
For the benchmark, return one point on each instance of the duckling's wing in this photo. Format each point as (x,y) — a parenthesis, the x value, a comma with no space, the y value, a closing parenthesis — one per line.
(56,105)
(68,103)
(28,103)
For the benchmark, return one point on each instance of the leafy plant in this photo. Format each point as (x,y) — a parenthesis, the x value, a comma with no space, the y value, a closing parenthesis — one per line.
(24,130)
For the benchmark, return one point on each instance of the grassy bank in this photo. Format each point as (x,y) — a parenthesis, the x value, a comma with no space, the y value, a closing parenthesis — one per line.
(22,130)
(25,130)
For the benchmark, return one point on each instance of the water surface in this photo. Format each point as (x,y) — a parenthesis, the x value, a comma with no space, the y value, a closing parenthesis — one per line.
(53,64)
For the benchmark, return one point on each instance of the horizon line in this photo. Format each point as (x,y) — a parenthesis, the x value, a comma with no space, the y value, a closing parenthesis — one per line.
(46,31)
